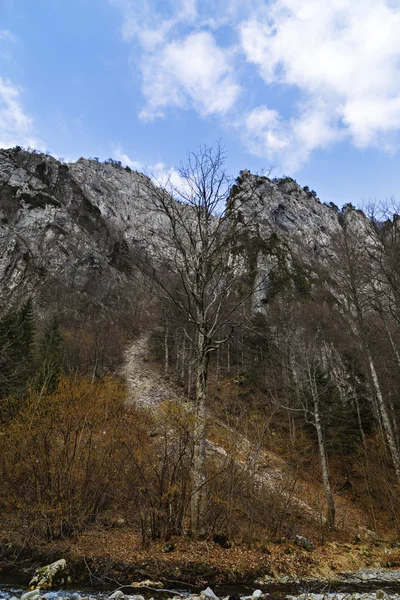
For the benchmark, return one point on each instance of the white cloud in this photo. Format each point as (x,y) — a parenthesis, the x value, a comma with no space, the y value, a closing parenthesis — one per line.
(291,142)
(161,174)
(125,159)
(6,35)
(16,126)
(344,58)
(338,62)
(179,69)
(143,23)
(193,72)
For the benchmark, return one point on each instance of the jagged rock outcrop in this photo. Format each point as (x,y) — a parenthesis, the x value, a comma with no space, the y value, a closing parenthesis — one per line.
(289,228)
(68,226)
(77,226)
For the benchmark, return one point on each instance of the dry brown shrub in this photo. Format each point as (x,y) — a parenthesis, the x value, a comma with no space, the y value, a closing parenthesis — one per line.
(375,485)
(157,482)
(61,457)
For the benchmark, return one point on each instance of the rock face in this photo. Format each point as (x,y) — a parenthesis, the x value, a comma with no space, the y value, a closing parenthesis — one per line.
(68,226)
(289,226)
(77,226)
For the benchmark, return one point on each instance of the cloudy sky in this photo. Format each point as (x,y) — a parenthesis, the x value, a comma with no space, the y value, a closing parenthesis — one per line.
(309,87)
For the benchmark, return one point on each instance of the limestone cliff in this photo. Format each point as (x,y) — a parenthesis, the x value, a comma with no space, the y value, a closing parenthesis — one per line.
(76,226)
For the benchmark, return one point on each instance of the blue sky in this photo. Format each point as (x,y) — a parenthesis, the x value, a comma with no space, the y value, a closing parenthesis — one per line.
(309,87)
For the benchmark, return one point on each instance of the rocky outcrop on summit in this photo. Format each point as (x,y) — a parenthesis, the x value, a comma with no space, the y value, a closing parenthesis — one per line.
(281,205)
(67,226)
(290,228)
(77,226)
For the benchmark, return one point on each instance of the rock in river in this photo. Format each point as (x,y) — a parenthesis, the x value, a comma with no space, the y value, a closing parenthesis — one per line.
(51,576)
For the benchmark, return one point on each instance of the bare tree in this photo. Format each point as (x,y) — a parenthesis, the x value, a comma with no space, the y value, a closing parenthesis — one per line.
(305,383)
(192,261)
(360,297)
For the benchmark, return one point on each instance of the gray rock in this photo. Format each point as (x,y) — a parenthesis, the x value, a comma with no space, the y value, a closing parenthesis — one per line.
(257,594)
(69,226)
(78,224)
(49,576)
(32,595)
(303,542)
(117,594)
(208,594)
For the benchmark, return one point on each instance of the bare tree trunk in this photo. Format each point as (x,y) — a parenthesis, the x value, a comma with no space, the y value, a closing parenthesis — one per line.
(387,426)
(393,345)
(166,348)
(189,381)
(217,366)
(183,358)
(359,418)
(95,364)
(330,518)
(198,498)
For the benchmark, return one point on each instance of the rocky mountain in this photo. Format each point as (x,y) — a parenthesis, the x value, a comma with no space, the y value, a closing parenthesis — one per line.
(321,359)
(73,228)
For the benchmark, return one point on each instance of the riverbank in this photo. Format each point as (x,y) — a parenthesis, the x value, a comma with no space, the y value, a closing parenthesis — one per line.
(116,556)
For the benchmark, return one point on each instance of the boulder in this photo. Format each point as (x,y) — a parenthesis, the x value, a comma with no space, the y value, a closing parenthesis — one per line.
(303,542)
(51,576)
(117,594)
(32,595)
(208,594)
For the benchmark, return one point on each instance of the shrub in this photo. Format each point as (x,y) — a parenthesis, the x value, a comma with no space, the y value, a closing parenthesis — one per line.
(61,457)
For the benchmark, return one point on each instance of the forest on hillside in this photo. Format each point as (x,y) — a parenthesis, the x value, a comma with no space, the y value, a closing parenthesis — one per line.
(287,366)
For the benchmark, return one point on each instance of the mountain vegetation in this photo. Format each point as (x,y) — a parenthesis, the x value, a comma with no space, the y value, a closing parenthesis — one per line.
(275,320)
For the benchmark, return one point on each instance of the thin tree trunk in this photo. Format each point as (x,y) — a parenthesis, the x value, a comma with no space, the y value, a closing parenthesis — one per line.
(330,518)
(198,498)
(359,418)
(217,366)
(189,381)
(393,345)
(387,426)
(166,349)
(183,358)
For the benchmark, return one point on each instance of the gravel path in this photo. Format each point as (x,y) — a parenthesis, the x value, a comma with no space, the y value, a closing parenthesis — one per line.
(146,387)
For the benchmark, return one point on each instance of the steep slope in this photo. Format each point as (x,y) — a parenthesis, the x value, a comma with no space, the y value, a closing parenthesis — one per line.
(76,226)
(288,228)
(67,227)
(73,233)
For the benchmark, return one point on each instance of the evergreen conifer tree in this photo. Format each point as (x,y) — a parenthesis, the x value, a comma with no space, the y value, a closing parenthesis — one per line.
(50,355)
(16,350)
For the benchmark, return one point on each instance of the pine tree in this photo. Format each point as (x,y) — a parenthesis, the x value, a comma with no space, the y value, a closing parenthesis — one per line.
(50,355)
(16,350)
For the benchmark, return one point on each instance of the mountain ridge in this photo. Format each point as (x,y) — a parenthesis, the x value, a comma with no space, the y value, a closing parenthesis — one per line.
(84,219)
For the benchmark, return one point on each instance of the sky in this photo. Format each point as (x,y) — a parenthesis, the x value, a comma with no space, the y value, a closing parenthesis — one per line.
(307,88)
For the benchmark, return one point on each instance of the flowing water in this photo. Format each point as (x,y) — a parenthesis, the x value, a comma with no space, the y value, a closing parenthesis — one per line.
(15,587)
